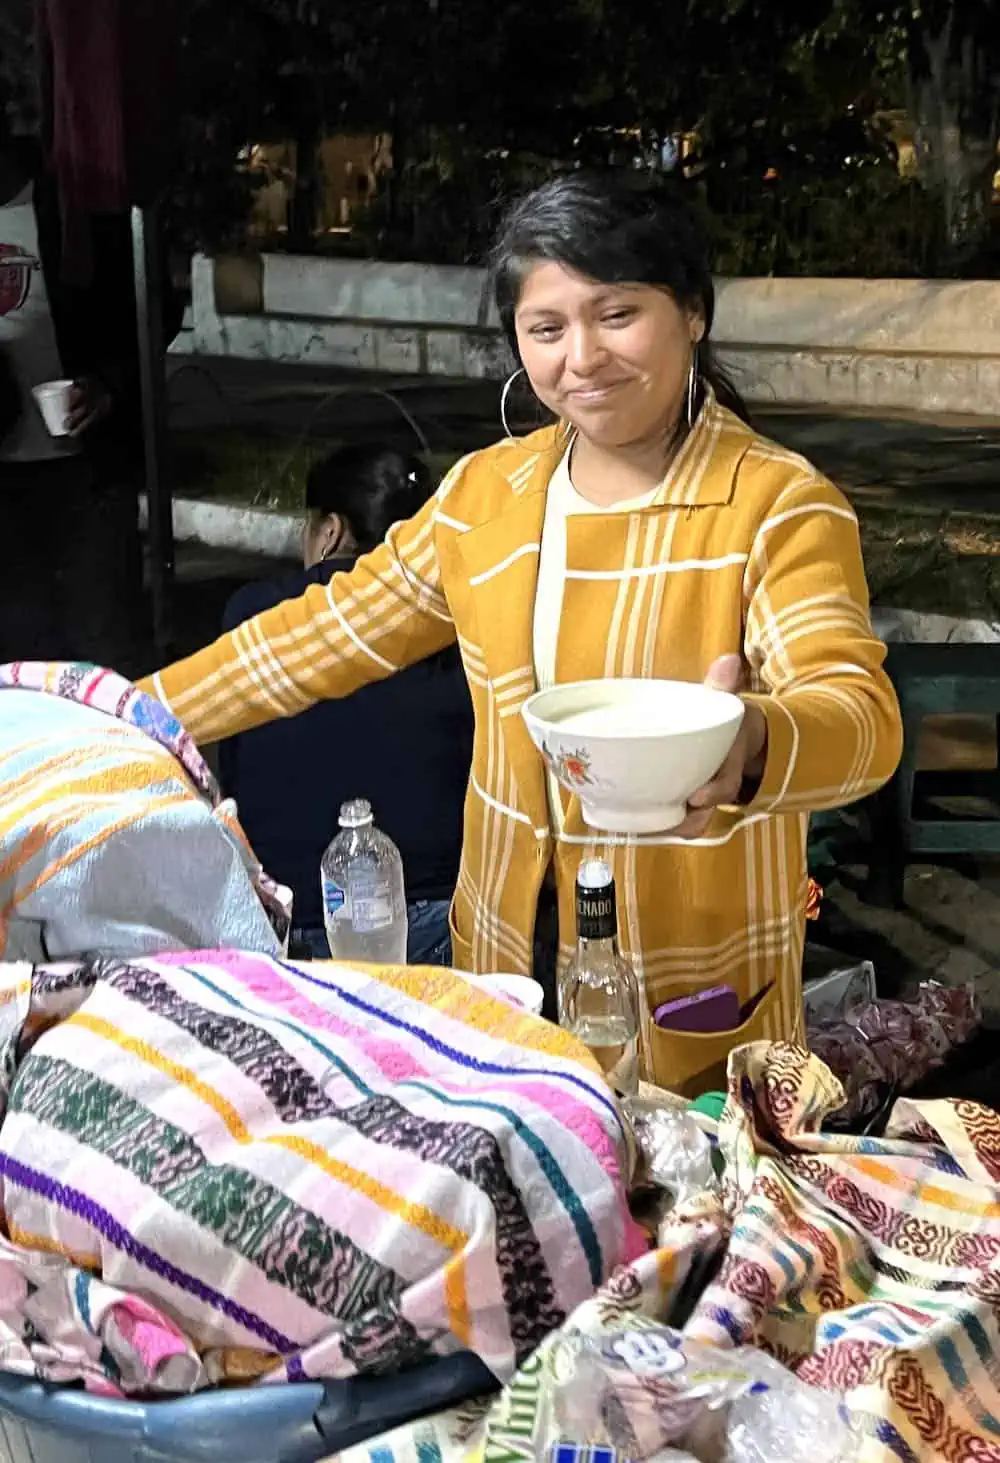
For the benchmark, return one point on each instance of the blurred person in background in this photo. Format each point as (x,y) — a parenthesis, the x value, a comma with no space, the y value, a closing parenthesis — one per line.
(72,576)
(404,744)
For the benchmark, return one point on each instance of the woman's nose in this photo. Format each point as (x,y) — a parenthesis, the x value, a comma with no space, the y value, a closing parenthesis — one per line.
(585,351)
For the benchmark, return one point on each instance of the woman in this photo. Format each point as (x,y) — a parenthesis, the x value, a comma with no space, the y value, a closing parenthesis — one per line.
(405,744)
(650,532)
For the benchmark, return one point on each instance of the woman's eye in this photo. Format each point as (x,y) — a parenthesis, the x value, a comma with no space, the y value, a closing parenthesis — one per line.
(544,332)
(619,317)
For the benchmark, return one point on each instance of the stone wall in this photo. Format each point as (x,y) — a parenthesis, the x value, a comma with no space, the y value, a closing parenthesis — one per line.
(918,346)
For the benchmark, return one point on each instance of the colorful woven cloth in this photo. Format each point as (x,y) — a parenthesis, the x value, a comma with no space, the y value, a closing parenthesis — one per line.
(220,1167)
(114,837)
(869,1267)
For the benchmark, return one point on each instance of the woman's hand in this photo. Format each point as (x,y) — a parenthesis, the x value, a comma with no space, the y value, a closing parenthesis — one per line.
(745,764)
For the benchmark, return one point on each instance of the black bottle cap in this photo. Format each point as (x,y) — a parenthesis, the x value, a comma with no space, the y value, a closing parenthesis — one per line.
(596,912)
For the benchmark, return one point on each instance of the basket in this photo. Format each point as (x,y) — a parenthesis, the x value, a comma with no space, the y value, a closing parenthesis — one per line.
(300,1422)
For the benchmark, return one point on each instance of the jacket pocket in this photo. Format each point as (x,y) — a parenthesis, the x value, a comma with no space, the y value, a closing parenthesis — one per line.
(692,1062)
(461,948)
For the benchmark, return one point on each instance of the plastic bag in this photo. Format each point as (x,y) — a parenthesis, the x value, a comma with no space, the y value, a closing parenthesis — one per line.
(839,988)
(674,1154)
(882,1046)
(673,1163)
(644,1392)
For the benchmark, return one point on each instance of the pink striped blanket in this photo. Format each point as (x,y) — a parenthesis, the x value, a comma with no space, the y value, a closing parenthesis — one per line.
(219,1167)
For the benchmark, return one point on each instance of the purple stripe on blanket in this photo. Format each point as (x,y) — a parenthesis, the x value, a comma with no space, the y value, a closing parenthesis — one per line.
(116,1234)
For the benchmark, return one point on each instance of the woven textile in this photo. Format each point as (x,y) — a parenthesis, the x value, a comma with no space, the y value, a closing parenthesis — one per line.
(114,837)
(221,1167)
(867,1266)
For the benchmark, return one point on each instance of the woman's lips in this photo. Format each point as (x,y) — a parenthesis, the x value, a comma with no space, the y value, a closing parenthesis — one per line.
(594,395)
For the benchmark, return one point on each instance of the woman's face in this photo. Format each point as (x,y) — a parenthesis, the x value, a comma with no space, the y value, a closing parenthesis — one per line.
(613,360)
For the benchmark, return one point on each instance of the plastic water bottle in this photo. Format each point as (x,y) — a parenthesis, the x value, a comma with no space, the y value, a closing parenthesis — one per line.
(364,900)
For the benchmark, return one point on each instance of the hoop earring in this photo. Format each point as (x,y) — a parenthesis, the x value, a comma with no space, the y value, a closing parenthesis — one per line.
(692,391)
(505,393)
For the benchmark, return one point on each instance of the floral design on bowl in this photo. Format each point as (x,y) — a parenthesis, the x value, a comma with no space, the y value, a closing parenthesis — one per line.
(571,767)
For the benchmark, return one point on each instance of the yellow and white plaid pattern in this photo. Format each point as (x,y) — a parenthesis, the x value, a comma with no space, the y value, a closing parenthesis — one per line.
(746,548)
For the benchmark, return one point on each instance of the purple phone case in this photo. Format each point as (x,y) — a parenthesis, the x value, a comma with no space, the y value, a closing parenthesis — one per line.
(717,1009)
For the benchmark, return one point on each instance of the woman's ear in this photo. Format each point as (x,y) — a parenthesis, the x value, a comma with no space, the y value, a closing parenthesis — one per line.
(320,537)
(329,535)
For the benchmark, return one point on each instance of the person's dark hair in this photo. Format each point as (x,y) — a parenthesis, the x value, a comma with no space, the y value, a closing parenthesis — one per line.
(612,230)
(371,487)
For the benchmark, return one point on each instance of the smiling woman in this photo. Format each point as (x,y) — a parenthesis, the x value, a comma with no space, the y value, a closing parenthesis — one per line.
(649,532)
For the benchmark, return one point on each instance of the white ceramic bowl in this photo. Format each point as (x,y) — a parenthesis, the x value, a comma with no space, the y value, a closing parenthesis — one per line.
(633,750)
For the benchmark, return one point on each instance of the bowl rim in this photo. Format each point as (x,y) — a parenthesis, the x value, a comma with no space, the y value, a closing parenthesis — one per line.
(737,708)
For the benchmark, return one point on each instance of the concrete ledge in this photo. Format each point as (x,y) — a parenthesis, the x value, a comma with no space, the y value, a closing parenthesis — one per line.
(229,526)
(887,316)
(919,627)
(363,289)
(918,346)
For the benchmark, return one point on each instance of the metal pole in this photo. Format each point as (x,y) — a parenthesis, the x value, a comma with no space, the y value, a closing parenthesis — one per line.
(152,380)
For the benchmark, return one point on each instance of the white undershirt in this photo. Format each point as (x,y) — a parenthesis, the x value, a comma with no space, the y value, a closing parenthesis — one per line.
(562,502)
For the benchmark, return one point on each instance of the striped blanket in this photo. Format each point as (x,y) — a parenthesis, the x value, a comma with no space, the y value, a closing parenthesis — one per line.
(114,837)
(219,1167)
(869,1267)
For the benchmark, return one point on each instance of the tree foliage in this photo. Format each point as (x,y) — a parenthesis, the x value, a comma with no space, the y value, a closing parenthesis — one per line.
(792,109)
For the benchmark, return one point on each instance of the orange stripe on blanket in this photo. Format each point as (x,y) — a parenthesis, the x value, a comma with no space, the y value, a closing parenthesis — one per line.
(476,1007)
(61,759)
(44,772)
(152,805)
(417,1216)
(46,1246)
(890,1177)
(133,776)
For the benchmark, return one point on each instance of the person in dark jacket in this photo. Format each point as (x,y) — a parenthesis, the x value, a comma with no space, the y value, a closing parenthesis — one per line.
(405,744)
(72,575)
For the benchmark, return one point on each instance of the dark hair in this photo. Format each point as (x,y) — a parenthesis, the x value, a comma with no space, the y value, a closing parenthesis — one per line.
(371,487)
(612,229)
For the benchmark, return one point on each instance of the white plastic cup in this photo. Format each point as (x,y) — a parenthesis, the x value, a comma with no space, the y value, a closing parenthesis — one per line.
(516,990)
(53,403)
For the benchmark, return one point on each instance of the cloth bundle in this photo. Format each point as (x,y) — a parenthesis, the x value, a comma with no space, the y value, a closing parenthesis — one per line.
(869,1268)
(114,836)
(218,1167)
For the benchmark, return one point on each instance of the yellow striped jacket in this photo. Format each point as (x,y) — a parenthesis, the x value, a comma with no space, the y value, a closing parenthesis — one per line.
(746,548)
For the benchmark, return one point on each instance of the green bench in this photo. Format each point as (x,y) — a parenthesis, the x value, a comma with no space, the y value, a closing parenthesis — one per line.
(907,820)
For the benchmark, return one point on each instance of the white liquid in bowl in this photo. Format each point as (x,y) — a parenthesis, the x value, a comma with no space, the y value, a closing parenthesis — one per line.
(609,721)
(647,712)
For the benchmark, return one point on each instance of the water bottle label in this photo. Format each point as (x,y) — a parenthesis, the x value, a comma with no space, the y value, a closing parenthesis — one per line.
(370,903)
(334,901)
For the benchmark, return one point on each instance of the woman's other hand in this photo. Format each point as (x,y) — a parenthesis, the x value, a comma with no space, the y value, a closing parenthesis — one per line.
(735,780)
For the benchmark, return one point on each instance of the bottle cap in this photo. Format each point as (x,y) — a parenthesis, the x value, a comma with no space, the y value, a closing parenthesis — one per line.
(594,874)
(357,814)
(596,917)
